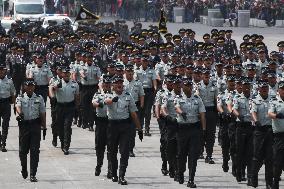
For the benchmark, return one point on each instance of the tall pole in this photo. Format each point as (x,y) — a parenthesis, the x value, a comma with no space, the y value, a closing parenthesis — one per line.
(3,6)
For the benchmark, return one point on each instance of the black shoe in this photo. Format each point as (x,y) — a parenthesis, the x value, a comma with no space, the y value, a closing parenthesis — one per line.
(114,179)
(243,178)
(91,129)
(75,122)
(122,181)
(181,178)
(234,171)
(191,184)
(209,160)
(225,167)
(98,171)
(131,154)
(171,174)
(201,156)
(24,174)
(54,143)
(147,134)
(65,151)
(176,177)
(109,176)
(84,126)
(275,184)
(238,178)
(33,179)
(268,186)
(253,182)
(3,149)
(165,172)
(78,124)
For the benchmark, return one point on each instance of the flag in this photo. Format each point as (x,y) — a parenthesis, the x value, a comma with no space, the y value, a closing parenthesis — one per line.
(85,14)
(163,23)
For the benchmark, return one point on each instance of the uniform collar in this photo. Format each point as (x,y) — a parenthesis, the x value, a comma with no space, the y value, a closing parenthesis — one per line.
(26,95)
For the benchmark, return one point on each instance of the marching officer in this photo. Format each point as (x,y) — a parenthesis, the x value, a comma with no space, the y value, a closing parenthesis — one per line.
(147,76)
(169,112)
(66,93)
(135,89)
(225,119)
(56,80)
(262,136)
(31,119)
(41,74)
(244,130)
(208,93)
(7,96)
(90,76)
(190,118)
(120,105)
(276,113)
(102,124)
(162,121)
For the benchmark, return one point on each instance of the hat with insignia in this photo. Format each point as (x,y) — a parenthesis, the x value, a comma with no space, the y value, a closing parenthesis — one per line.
(238,67)
(246,37)
(65,69)
(117,78)
(129,67)
(280,44)
(214,31)
(107,78)
(251,67)
(206,36)
(30,81)
(230,78)
(177,79)
(246,80)
(262,83)
(3,65)
(187,81)
(281,84)
(119,66)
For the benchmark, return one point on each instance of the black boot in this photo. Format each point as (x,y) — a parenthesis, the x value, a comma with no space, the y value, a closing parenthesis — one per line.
(122,180)
(24,173)
(131,154)
(3,147)
(91,128)
(98,171)
(114,178)
(191,184)
(147,133)
(275,184)
(181,178)
(225,166)
(209,160)
(33,178)
(164,169)
(54,141)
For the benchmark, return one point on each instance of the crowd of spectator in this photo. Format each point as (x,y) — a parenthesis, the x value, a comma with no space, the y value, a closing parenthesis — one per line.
(149,10)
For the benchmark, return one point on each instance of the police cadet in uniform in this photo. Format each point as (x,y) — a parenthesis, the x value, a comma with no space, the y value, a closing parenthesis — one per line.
(276,113)
(66,93)
(208,93)
(90,75)
(162,121)
(120,105)
(190,118)
(225,119)
(169,112)
(56,80)
(7,96)
(244,130)
(262,136)
(147,76)
(135,89)
(42,75)
(31,119)
(102,124)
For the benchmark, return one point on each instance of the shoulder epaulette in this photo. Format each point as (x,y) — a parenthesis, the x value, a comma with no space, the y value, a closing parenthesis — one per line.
(127,93)
(196,96)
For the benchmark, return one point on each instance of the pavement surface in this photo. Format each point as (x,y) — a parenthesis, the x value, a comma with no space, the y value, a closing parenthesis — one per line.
(76,171)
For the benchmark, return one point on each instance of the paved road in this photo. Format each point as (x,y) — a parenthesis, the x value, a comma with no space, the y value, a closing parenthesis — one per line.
(76,171)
